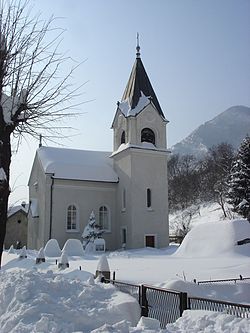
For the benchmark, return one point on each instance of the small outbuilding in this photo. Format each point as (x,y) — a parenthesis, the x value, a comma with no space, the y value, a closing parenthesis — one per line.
(17,225)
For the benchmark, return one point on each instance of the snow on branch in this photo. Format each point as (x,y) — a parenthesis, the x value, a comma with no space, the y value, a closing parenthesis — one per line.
(34,94)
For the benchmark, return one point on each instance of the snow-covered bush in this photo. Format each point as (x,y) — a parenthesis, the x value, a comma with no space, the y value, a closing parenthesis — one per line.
(103,269)
(63,261)
(73,247)
(40,256)
(23,253)
(91,232)
(52,248)
(11,249)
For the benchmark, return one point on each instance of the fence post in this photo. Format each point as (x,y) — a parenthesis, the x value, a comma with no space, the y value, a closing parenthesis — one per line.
(144,302)
(183,302)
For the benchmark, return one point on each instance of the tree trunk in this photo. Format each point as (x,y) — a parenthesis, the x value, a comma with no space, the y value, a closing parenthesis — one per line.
(5,159)
(221,203)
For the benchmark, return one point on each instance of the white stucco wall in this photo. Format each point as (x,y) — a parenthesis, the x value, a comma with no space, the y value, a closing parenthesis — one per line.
(38,189)
(147,118)
(86,196)
(138,170)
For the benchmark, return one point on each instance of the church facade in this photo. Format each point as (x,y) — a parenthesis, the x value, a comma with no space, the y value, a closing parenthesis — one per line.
(127,188)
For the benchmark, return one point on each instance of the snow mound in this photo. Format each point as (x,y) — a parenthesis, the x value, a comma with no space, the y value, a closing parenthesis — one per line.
(73,247)
(103,265)
(52,248)
(149,323)
(191,288)
(196,321)
(215,238)
(37,302)
(237,293)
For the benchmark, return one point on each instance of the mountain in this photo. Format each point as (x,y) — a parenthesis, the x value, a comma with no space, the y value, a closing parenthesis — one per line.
(230,126)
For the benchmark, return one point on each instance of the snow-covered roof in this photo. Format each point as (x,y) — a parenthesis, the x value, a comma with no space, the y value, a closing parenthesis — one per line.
(138,85)
(14,209)
(143,145)
(77,164)
(128,110)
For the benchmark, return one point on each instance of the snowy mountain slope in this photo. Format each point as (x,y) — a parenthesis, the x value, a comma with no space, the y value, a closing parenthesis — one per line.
(230,126)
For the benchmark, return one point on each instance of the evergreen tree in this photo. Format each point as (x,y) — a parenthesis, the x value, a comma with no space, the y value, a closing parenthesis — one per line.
(91,231)
(239,181)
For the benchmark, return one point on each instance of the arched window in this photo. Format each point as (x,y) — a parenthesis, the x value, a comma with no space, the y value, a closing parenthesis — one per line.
(72,217)
(123,140)
(147,135)
(104,218)
(149,198)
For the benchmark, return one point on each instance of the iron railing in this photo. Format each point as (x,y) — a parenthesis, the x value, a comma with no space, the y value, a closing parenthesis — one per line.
(162,304)
(168,305)
(226,281)
(238,310)
(128,288)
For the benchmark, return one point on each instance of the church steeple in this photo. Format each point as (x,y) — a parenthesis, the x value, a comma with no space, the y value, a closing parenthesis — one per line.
(139,84)
(139,119)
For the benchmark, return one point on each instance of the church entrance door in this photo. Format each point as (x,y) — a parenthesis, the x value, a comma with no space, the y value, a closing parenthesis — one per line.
(150,241)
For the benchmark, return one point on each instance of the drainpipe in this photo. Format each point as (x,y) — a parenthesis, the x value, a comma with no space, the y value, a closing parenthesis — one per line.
(50,214)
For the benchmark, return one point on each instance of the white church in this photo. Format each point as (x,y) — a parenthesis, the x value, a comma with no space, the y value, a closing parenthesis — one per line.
(127,188)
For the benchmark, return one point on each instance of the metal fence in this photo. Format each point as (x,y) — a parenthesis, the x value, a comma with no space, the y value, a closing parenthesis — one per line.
(168,305)
(226,281)
(128,288)
(239,310)
(162,304)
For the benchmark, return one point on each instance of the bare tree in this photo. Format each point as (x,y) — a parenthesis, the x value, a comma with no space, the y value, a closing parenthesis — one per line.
(217,166)
(33,95)
(181,225)
(183,180)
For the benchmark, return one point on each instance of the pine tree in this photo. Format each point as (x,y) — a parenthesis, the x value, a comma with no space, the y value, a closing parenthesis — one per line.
(239,181)
(91,231)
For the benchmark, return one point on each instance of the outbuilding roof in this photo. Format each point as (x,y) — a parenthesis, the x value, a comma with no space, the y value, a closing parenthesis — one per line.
(77,164)
(19,208)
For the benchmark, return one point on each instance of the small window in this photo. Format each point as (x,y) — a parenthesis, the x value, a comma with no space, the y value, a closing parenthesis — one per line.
(104,219)
(148,197)
(124,199)
(19,221)
(123,140)
(124,235)
(72,218)
(147,135)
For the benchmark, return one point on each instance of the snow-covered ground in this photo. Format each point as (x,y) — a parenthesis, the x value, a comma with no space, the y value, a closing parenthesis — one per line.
(42,298)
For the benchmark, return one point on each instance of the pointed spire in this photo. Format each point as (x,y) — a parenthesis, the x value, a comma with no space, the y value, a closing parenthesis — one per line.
(138,55)
(139,83)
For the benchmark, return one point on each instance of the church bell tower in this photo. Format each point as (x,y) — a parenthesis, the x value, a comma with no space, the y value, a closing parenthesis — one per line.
(140,160)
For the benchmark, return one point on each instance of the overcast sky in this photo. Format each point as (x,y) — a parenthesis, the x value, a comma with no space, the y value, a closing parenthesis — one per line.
(196,53)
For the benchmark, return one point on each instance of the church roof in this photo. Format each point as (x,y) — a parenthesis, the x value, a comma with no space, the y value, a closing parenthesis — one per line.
(139,85)
(74,164)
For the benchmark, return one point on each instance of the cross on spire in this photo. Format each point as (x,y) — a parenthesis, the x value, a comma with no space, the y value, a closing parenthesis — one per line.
(138,46)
